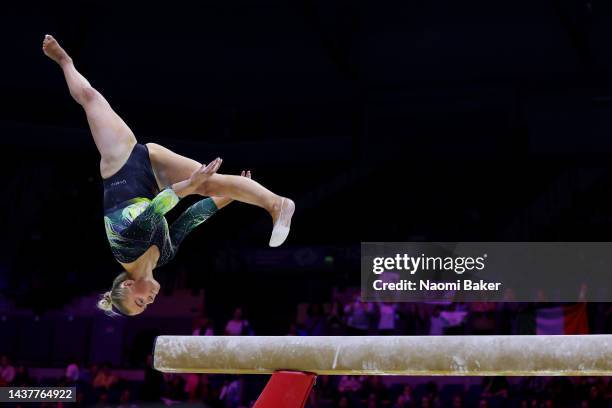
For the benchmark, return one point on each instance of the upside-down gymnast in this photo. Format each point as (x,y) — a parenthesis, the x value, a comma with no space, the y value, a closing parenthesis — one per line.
(142,183)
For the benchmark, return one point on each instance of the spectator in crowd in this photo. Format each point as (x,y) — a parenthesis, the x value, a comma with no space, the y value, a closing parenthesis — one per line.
(482,317)
(174,390)
(374,385)
(349,384)
(231,393)
(350,387)
(437,324)
(73,371)
(405,399)
(237,326)
(192,384)
(334,323)
(386,318)
(105,378)
(454,316)
(315,324)
(596,398)
(358,316)
(125,400)
(198,389)
(89,375)
(7,371)
(203,326)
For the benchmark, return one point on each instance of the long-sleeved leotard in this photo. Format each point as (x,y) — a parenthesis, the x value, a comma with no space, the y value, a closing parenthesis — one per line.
(135,209)
(133,229)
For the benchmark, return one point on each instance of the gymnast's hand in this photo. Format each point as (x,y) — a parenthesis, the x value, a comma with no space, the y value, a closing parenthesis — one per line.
(203,173)
(246,173)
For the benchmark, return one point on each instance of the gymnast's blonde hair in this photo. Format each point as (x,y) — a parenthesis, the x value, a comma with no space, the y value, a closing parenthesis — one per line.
(114,297)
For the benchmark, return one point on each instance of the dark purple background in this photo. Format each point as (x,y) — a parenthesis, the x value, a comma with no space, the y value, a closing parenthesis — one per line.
(385,120)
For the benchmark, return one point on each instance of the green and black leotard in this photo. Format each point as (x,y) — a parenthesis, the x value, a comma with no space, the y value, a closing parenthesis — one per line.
(134,210)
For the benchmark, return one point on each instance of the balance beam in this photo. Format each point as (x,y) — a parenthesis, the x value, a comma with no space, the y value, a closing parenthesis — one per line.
(583,355)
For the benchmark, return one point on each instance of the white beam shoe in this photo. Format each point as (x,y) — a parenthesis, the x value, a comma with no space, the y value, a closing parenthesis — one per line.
(280,231)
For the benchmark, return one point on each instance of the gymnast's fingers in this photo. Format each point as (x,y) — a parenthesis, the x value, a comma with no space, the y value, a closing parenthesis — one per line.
(214,166)
(206,168)
(217,165)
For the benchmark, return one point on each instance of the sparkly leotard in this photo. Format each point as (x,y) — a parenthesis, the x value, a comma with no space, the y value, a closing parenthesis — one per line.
(134,212)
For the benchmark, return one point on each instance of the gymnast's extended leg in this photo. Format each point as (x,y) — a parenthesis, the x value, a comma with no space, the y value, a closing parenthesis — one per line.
(112,136)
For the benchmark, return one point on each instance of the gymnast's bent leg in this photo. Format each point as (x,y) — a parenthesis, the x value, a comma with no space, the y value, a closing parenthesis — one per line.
(112,136)
(171,167)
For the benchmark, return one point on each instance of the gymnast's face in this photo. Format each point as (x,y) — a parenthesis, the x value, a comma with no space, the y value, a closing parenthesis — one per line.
(140,294)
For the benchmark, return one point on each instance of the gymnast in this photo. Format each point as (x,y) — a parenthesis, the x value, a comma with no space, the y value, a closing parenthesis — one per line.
(142,183)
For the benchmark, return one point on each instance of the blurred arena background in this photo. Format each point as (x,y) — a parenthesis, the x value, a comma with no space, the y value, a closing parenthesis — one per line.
(385,120)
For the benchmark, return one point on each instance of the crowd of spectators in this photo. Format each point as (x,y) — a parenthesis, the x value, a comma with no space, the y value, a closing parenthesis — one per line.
(100,386)
(373,392)
(355,317)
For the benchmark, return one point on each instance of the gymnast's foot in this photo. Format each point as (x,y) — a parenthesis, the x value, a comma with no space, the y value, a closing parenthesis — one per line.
(281,216)
(52,49)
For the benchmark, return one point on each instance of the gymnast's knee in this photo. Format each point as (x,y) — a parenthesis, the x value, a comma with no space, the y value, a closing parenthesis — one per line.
(212,186)
(87,95)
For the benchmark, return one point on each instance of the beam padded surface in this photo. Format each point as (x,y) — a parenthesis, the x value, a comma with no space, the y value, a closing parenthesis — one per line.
(392,355)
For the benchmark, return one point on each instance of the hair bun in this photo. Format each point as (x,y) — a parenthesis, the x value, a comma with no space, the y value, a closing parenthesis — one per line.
(105,303)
